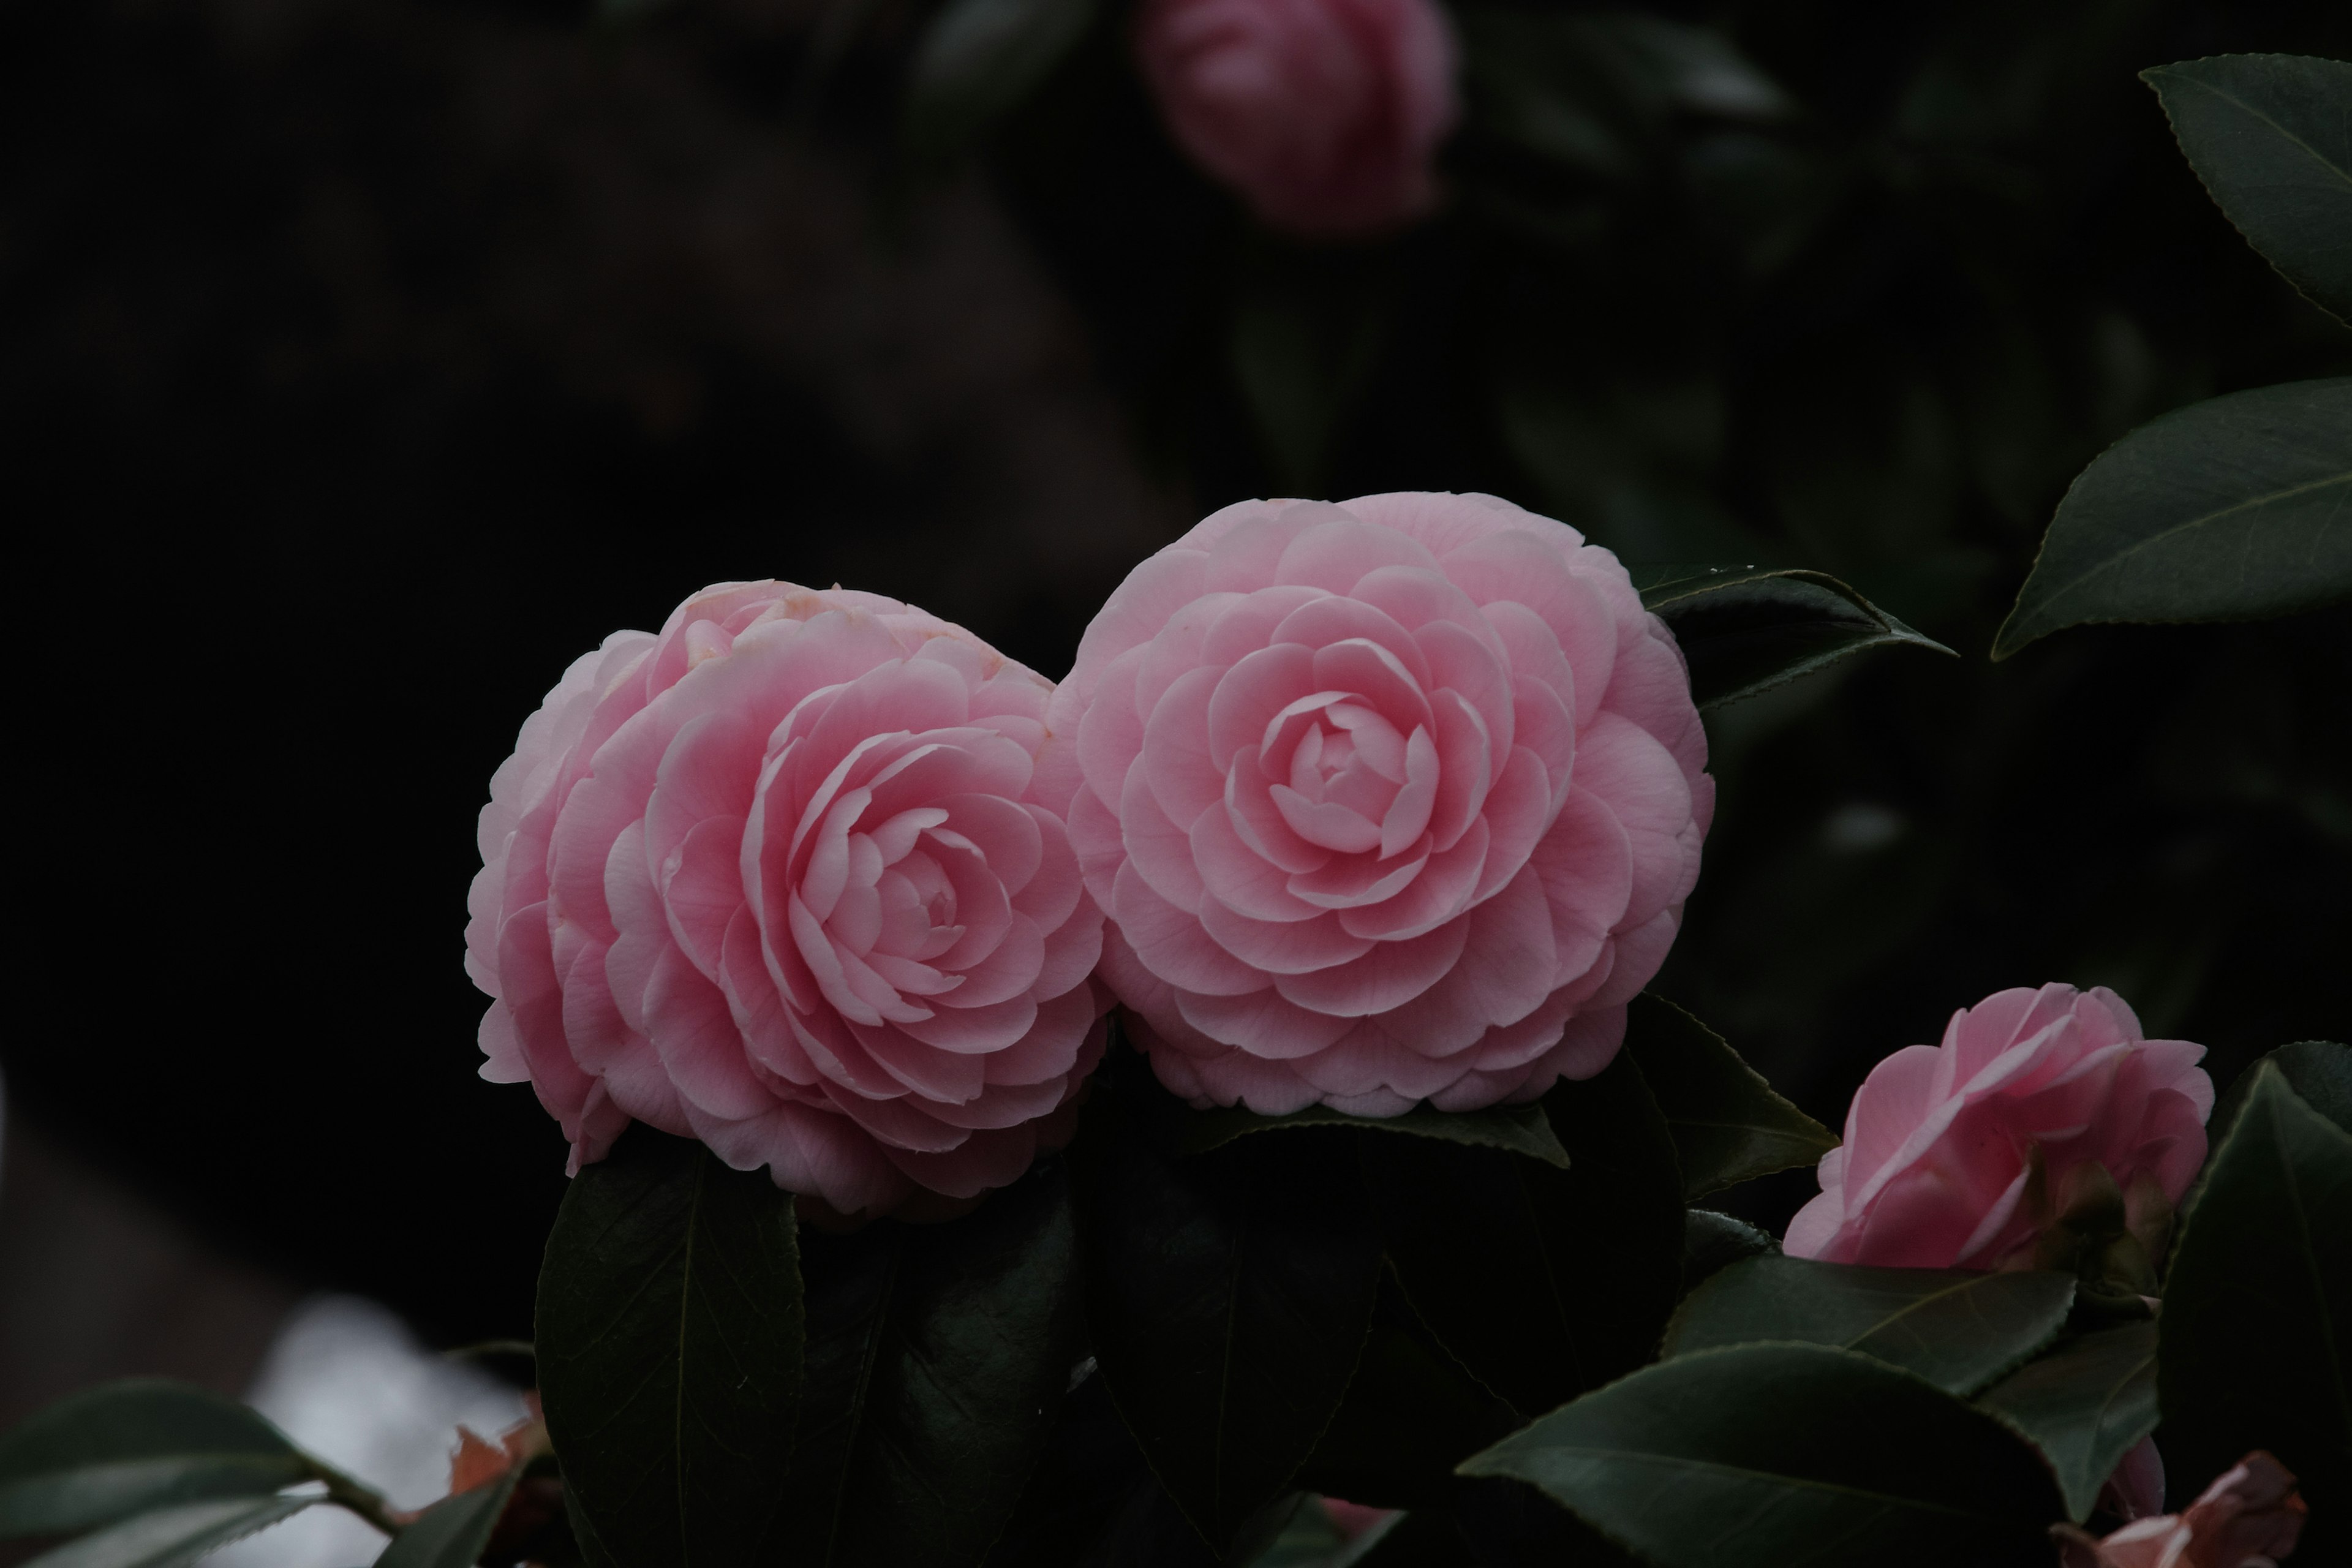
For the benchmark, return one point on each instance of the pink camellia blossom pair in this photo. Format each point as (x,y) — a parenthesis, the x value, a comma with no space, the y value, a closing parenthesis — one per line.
(1325,114)
(1389,802)
(778,878)
(2250,1517)
(1392,801)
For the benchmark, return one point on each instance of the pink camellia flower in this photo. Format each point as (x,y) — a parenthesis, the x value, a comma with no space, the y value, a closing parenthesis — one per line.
(1389,801)
(2249,1517)
(778,879)
(1944,1144)
(1324,113)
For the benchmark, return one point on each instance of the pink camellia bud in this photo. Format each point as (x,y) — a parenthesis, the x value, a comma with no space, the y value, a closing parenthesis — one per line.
(1391,801)
(778,879)
(1977,1154)
(2249,1517)
(1323,113)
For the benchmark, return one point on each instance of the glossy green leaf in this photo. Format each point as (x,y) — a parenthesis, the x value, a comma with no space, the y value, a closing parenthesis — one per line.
(669,1350)
(1729,1125)
(2084,1405)
(1760,1456)
(1520,1129)
(1543,1282)
(1411,1414)
(1746,629)
(980,59)
(937,1357)
(134,1445)
(1228,1296)
(2270,135)
(452,1532)
(2256,1331)
(2231,510)
(1955,1328)
(1713,1242)
(172,1537)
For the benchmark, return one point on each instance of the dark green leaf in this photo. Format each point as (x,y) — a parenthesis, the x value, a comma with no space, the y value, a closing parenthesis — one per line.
(2084,1405)
(669,1350)
(1521,1128)
(1228,1296)
(2270,135)
(2319,1071)
(453,1531)
(172,1537)
(1727,1124)
(938,1355)
(1543,1282)
(1713,1242)
(980,59)
(1760,1456)
(1746,629)
(135,1446)
(2256,1332)
(1955,1328)
(1411,1414)
(2231,510)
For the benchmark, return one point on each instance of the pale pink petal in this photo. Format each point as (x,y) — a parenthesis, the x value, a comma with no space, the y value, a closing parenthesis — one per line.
(1394,973)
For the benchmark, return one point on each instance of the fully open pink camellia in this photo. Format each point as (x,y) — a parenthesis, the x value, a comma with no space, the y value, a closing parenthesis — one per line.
(1942,1142)
(1324,113)
(778,879)
(1390,801)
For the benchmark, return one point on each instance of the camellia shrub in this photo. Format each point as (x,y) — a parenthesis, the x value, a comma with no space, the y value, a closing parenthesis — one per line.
(1211,1110)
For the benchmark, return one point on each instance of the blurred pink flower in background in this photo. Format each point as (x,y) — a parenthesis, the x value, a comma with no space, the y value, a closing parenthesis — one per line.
(777,879)
(2250,1517)
(1325,114)
(1388,801)
(1943,1143)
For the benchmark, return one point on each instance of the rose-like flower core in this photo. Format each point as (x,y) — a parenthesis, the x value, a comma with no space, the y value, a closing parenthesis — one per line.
(1391,801)
(1324,113)
(1942,1142)
(778,879)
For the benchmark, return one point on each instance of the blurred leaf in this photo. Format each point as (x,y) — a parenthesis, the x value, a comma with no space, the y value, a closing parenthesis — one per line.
(669,1337)
(1587,89)
(938,1355)
(1228,1296)
(1521,1128)
(134,1445)
(1955,1328)
(1307,332)
(2084,1405)
(1760,1455)
(1421,1538)
(2270,135)
(452,1532)
(1713,1242)
(2256,1333)
(1411,1414)
(1542,1282)
(2235,509)
(172,1537)
(1729,1125)
(980,59)
(1746,629)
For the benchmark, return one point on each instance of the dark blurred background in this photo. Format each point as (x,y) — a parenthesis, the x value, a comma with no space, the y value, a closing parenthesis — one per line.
(363,361)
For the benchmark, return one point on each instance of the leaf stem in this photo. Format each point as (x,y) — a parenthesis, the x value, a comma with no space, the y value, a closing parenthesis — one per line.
(358,1496)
